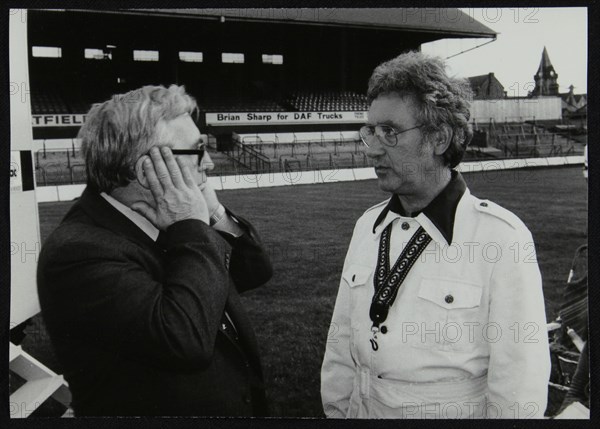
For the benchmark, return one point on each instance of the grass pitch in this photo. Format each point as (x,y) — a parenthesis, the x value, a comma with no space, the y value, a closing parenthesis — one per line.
(307,230)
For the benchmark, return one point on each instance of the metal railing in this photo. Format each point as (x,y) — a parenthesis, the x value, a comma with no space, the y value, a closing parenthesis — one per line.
(66,166)
(59,166)
(248,158)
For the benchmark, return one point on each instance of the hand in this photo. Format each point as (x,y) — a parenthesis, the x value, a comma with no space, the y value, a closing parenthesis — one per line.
(176,195)
(210,196)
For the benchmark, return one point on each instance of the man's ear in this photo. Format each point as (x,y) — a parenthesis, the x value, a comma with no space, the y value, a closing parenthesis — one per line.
(140,174)
(442,140)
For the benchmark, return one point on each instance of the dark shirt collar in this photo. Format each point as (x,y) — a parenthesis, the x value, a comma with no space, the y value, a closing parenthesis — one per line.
(440,211)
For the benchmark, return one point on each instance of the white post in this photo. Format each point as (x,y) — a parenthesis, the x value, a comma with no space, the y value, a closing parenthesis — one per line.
(41,382)
(24,226)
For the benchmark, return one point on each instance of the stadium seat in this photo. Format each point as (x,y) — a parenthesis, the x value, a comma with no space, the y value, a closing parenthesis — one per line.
(327,101)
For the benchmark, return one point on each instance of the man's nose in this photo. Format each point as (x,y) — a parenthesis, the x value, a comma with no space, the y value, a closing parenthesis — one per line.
(206,164)
(375,148)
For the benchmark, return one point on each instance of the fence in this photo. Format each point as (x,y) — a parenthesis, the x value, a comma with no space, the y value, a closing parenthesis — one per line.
(504,141)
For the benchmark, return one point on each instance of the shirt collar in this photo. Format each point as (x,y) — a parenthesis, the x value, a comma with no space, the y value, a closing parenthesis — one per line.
(140,221)
(440,212)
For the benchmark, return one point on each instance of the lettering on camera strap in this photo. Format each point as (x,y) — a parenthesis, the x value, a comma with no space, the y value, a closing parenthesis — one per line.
(387,281)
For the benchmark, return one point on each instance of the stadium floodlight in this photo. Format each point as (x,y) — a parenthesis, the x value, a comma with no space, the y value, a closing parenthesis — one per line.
(272,59)
(144,55)
(97,54)
(46,52)
(191,57)
(232,58)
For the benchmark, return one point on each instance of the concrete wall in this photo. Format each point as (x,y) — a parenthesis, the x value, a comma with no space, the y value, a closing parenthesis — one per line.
(517,109)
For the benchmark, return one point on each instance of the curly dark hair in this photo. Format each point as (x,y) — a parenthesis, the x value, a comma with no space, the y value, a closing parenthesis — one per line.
(440,99)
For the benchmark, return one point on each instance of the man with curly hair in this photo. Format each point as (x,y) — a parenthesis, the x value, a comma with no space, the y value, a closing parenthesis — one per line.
(440,311)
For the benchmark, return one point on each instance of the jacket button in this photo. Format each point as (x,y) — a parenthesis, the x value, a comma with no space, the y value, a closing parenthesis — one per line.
(405,226)
(384,329)
(247,399)
(449,299)
(484,204)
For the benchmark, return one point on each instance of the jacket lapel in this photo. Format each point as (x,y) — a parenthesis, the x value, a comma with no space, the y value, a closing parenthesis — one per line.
(247,340)
(105,215)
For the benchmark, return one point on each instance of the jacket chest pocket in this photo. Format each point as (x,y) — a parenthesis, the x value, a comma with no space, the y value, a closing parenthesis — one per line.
(451,313)
(358,277)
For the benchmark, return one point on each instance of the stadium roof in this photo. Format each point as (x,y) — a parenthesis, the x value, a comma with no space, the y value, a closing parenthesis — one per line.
(449,22)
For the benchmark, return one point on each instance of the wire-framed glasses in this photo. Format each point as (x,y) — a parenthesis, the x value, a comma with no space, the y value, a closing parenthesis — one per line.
(386,134)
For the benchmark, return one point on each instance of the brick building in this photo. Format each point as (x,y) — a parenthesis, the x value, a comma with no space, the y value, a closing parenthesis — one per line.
(486,87)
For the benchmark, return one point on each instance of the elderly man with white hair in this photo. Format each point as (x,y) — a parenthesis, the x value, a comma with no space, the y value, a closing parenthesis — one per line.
(139,284)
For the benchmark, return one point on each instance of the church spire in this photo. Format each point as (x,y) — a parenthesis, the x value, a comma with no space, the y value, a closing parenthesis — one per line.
(546,78)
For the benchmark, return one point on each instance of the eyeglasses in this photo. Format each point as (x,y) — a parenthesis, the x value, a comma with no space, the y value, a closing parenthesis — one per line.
(386,134)
(199,151)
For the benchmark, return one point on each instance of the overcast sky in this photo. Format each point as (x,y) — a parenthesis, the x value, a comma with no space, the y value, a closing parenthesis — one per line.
(515,56)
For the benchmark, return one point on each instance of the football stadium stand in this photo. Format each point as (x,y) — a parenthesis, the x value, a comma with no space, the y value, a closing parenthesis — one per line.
(265,101)
(328,101)
(278,90)
(62,163)
(48,101)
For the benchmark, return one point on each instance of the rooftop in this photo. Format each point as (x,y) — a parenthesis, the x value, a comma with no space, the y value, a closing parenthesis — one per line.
(450,22)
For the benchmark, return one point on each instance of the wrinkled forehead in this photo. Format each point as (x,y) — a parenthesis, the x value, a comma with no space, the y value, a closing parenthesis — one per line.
(408,97)
(393,108)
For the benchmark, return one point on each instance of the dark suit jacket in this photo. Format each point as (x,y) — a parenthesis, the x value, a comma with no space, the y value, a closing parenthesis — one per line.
(138,325)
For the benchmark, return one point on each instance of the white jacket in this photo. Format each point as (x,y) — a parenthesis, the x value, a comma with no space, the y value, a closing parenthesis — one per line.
(466,335)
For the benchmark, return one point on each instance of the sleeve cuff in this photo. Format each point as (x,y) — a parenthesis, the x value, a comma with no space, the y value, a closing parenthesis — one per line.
(223,221)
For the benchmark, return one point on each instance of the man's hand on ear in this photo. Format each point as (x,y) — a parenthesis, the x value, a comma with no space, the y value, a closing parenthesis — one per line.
(176,195)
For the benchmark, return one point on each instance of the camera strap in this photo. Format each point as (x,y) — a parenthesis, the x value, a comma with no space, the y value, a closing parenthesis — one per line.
(387,281)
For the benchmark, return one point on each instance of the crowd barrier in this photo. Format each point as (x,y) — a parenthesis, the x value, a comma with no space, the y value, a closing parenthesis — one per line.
(247,181)
(298,137)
